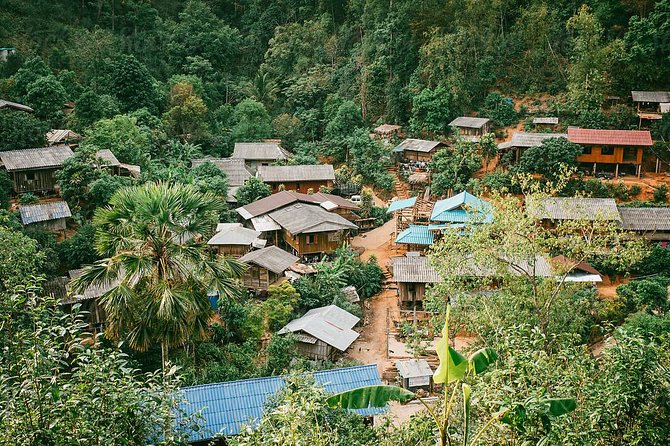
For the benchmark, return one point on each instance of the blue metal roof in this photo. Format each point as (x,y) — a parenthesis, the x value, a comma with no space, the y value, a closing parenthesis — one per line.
(453,209)
(226,407)
(416,235)
(401,204)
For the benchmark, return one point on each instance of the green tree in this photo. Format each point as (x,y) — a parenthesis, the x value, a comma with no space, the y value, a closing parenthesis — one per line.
(78,250)
(346,120)
(91,107)
(122,136)
(251,121)
(550,158)
(32,70)
(187,116)
(129,81)
(47,97)
(150,239)
(21,130)
(20,259)
(253,189)
(432,111)
(497,108)
(452,168)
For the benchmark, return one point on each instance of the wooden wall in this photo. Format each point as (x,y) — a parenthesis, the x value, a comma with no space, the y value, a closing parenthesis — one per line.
(318,350)
(235,251)
(620,155)
(57,225)
(302,186)
(418,156)
(258,278)
(411,293)
(326,242)
(42,180)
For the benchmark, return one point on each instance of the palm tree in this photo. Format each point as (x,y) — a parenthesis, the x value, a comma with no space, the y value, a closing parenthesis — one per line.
(151,238)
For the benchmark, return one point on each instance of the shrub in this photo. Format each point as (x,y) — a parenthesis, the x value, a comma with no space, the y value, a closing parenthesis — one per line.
(650,294)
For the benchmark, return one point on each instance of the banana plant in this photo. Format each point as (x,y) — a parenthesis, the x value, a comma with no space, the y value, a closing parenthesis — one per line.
(453,368)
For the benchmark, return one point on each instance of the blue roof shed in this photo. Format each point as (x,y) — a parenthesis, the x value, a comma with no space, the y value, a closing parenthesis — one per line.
(401,204)
(462,208)
(228,406)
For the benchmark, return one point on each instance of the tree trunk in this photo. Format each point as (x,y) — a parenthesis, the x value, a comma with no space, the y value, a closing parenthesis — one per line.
(164,355)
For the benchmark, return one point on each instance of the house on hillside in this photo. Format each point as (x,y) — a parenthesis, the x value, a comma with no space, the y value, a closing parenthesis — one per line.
(229,407)
(89,299)
(471,129)
(322,332)
(651,105)
(555,209)
(545,122)
(257,154)
(612,149)
(305,179)
(418,149)
(419,237)
(415,374)
(311,231)
(58,137)
(14,106)
(235,170)
(51,216)
(462,208)
(412,274)
(33,170)
(386,132)
(266,267)
(231,239)
(524,140)
(650,223)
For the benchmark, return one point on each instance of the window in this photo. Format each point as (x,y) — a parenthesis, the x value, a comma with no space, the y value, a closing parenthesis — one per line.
(311,239)
(586,150)
(609,150)
(30,176)
(630,154)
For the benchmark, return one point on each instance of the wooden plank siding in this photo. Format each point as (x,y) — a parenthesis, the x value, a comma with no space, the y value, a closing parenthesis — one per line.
(258,278)
(318,350)
(611,155)
(41,180)
(301,186)
(322,242)
(235,251)
(411,293)
(419,156)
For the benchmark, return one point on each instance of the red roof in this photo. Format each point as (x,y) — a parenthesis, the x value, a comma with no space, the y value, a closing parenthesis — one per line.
(610,137)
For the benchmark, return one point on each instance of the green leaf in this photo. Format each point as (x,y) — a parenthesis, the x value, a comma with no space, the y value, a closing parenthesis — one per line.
(482,359)
(370,396)
(561,406)
(453,365)
(467,394)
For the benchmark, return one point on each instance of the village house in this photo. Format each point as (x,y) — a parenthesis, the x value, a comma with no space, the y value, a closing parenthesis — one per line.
(521,141)
(651,105)
(419,150)
(257,154)
(579,272)
(545,122)
(235,170)
(471,129)
(311,231)
(650,223)
(415,374)
(229,407)
(322,332)
(616,150)
(231,239)
(58,137)
(387,132)
(33,170)
(305,178)
(418,238)
(14,106)
(89,300)
(266,267)
(462,208)
(51,216)
(412,274)
(555,209)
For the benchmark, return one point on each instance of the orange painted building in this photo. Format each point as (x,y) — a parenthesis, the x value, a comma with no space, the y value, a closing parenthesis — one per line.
(613,148)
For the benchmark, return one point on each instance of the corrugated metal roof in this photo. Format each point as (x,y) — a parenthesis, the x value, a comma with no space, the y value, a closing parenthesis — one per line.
(108,157)
(462,208)
(272,258)
(292,174)
(283,198)
(264,223)
(302,218)
(545,120)
(650,96)
(234,168)
(259,151)
(234,236)
(330,324)
(414,269)
(385,129)
(91,292)
(351,294)
(645,219)
(401,204)
(417,145)
(227,407)
(40,158)
(416,235)
(59,136)
(610,137)
(413,368)
(525,139)
(566,208)
(15,106)
(36,213)
(469,122)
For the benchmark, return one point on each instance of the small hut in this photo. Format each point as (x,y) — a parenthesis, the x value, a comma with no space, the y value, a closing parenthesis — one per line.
(51,216)
(471,129)
(234,240)
(266,267)
(415,374)
(33,170)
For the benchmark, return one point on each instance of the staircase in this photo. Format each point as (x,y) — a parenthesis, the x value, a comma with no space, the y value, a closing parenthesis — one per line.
(401,189)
